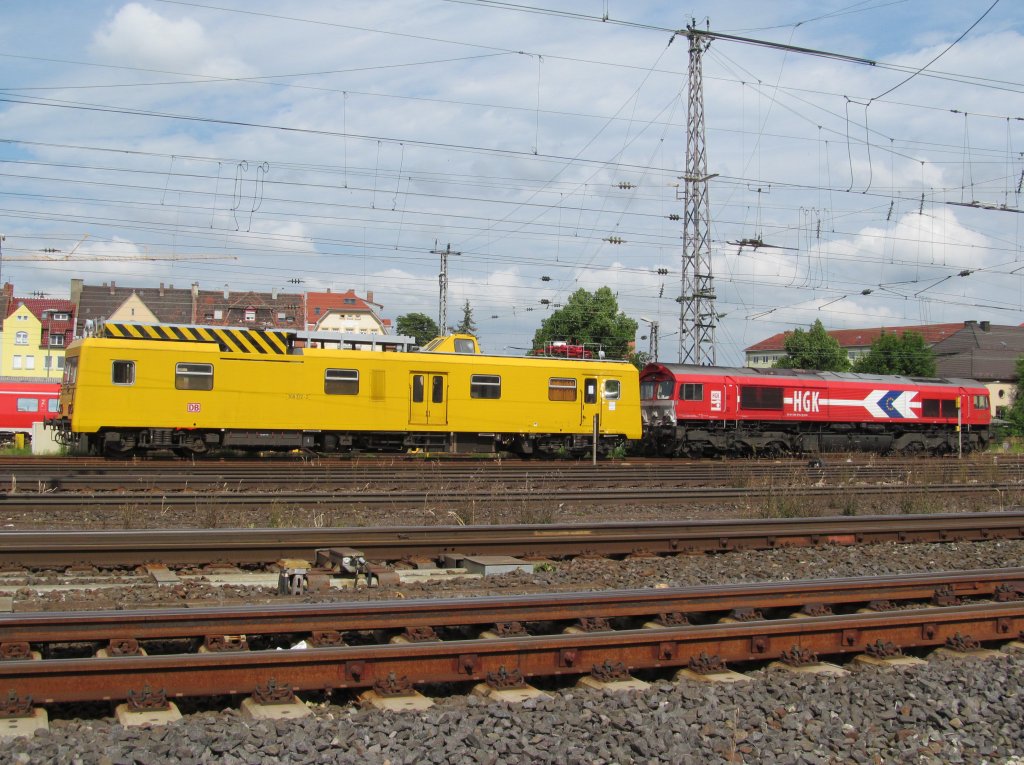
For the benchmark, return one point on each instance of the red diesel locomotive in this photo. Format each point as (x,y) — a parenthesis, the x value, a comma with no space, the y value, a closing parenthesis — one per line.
(698,411)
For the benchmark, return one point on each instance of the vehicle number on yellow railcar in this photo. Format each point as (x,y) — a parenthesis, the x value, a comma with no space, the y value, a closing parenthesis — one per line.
(298,396)
(194,407)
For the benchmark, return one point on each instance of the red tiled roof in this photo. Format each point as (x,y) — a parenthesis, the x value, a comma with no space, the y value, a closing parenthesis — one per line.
(856,338)
(38,305)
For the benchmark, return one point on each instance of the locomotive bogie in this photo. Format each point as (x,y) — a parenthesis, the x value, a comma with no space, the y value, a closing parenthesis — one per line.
(123,396)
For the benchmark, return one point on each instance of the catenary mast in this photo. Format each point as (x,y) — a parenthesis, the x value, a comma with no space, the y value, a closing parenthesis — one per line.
(697,301)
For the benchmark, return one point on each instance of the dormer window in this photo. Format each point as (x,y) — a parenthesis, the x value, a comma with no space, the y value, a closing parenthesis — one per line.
(56,341)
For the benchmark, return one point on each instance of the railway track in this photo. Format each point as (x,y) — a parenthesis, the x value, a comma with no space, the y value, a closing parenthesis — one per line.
(56,549)
(451,497)
(501,641)
(72,476)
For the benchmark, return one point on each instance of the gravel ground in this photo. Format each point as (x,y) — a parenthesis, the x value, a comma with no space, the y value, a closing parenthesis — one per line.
(941,713)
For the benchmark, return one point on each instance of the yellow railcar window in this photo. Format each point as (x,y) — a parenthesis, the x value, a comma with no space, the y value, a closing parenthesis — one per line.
(485,386)
(122,372)
(437,390)
(612,390)
(189,376)
(341,382)
(417,389)
(561,389)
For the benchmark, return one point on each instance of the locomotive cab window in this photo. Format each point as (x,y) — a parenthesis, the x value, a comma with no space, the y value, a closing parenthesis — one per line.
(485,386)
(590,391)
(341,382)
(760,397)
(71,371)
(188,376)
(612,390)
(691,392)
(437,390)
(981,403)
(561,389)
(417,389)
(122,372)
(28,405)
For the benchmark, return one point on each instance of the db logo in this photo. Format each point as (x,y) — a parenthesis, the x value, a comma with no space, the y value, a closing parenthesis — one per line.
(193,408)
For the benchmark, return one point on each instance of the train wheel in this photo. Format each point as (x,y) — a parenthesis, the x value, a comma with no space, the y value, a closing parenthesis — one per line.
(913,449)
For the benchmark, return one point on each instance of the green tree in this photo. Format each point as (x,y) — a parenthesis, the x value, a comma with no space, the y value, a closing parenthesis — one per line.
(417,325)
(466,326)
(813,349)
(1015,414)
(589,319)
(640,359)
(906,354)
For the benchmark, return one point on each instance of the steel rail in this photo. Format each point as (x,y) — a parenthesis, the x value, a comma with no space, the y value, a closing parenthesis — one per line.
(38,628)
(35,549)
(355,667)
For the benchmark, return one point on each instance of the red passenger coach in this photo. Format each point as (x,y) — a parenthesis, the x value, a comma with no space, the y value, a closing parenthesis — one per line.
(24,403)
(697,411)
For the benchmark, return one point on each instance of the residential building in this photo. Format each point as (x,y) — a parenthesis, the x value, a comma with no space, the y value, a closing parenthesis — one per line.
(344,312)
(856,342)
(35,333)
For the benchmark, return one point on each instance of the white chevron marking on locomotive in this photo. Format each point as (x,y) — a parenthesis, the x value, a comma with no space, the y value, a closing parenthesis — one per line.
(901,403)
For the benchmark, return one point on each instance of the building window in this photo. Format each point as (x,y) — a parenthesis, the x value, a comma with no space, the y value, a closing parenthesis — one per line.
(56,341)
(218,314)
(61,317)
(28,405)
(21,338)
(30,362)
(280,315)
(485,386)
(189,376)
(250,314)
(60,362)
(122,372)
(350,301)
(561,389)
(341,382)
(16,362)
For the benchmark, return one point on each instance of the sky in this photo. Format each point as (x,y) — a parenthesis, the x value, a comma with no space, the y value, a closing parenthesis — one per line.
(305,146)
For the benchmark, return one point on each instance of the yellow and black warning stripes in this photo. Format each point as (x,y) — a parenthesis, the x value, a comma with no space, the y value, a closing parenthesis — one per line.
(229,338)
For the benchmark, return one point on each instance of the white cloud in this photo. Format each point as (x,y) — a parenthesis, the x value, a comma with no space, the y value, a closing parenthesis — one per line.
(140,37)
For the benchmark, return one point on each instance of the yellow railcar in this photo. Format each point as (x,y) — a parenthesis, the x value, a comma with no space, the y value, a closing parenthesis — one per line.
(193,389)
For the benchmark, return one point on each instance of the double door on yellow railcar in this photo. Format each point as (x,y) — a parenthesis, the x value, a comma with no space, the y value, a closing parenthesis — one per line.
(428,398)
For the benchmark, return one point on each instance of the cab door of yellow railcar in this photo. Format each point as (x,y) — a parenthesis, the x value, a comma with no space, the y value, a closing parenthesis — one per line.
(591,403)
(428,398)
(610,393)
